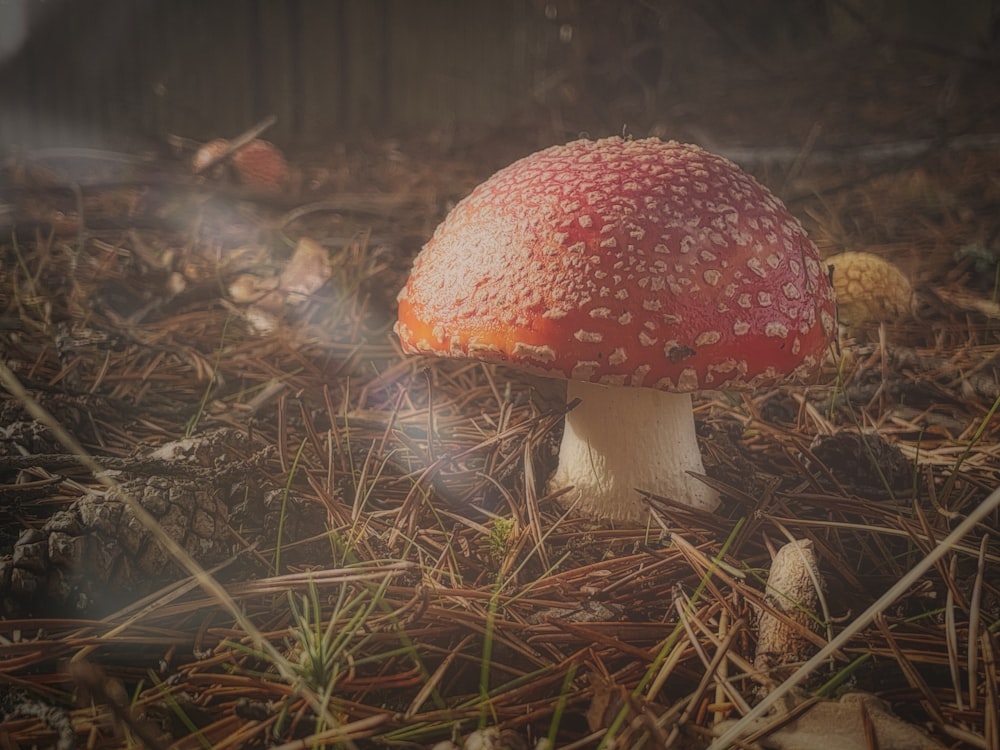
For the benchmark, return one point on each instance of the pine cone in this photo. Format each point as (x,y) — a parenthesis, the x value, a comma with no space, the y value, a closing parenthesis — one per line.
(98,554)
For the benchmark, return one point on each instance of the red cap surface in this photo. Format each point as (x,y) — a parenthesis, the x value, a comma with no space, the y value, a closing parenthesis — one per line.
(644,263)
(261,165)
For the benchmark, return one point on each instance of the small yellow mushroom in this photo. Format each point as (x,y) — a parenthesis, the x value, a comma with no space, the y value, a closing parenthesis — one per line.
(869,289)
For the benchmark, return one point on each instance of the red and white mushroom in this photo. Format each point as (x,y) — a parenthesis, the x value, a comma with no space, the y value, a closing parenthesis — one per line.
(260,165)
(257,164)
(640,271)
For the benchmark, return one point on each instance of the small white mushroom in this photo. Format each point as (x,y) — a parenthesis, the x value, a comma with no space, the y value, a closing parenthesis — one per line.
(493,738)
(258,164)
(268,298)
(792,592)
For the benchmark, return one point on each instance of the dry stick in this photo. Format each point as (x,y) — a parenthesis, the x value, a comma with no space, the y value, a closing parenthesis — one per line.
(706,679)
(931,704)
(239,142)
(94,681)
(991,701)
(340,733)
(207,582)
(257,130)
(723,682)
(534,515)
(737,730)
(685,606)
(951,638)
(432,682)
(974,614)
(131,614)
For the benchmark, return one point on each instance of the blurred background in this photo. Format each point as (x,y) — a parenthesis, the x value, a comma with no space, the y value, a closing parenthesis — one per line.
(105,73)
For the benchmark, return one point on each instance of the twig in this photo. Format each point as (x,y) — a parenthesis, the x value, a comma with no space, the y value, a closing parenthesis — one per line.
(182,556)
(737,730)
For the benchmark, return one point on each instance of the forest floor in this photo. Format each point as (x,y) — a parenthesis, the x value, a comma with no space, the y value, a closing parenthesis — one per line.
(363,550)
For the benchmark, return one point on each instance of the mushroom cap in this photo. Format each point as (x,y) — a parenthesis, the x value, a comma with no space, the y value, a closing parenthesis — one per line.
(261,165)
(645,263)
(869,289)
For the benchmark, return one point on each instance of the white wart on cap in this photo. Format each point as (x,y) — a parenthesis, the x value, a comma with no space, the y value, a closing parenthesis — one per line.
(624,263)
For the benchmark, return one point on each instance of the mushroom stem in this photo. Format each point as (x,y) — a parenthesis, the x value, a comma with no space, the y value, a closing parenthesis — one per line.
(620,440)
